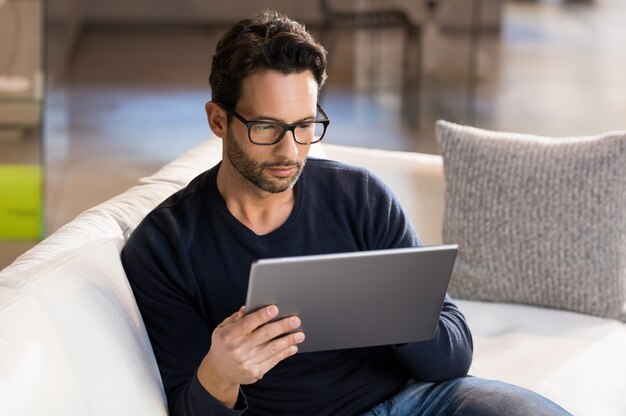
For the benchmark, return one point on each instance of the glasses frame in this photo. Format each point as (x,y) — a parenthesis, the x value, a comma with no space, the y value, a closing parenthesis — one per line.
(285,127)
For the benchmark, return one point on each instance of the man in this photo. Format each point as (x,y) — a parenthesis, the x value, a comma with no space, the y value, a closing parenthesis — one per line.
(188,261)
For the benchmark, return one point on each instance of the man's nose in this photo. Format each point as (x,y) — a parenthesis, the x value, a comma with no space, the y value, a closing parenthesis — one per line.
(288,147)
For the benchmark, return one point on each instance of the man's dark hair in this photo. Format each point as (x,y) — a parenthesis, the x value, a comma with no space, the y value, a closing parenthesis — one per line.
(270,40)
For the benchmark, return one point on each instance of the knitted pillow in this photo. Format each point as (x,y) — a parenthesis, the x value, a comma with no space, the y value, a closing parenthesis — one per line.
(539,220)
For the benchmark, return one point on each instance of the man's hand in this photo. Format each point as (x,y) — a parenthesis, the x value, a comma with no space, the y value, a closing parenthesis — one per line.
(244,348)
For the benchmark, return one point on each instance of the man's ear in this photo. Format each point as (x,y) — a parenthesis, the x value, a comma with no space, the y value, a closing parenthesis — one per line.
(216,116)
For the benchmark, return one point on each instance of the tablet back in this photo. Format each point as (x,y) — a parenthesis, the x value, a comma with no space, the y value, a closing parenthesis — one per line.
(358,299)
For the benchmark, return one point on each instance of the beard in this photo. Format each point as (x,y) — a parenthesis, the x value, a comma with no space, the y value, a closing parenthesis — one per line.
(254,171)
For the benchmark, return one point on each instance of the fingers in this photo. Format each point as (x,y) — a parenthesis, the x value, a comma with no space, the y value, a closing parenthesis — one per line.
(273,353)
(274,341)
(256,328)
(253,344)
(258,324)
(275,329)
(254,320)
(275,337)
(278,349)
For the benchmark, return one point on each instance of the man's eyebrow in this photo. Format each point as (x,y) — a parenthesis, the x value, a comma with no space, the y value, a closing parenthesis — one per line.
(269,118)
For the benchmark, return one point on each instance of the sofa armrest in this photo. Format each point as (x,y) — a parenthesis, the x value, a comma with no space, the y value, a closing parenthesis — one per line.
(118,217)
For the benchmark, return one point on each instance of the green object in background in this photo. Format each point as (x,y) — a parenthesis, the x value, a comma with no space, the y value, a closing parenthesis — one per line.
(21,202)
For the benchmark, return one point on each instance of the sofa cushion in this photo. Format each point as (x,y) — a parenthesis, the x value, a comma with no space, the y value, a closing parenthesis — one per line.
(539,220)
(72,341)
(576,360)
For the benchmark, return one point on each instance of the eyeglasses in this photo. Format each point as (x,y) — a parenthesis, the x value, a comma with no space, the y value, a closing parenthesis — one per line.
(267,133)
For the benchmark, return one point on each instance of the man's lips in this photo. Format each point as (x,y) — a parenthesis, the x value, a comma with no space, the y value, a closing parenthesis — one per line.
(283,171)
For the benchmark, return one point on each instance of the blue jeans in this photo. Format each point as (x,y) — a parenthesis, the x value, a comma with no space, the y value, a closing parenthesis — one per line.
(466,396)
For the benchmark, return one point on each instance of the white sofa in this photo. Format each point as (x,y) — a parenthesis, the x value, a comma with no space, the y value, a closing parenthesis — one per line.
(72,341)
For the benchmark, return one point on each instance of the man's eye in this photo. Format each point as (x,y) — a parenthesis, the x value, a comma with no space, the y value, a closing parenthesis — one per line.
(266,127)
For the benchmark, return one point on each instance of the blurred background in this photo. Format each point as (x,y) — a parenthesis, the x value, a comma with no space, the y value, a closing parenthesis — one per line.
(94,95)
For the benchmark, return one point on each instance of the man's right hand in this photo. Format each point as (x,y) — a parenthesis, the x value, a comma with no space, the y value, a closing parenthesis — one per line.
(244,348)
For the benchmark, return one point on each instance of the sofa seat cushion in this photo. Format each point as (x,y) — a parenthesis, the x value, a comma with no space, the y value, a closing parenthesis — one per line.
(574,359)
(72,341)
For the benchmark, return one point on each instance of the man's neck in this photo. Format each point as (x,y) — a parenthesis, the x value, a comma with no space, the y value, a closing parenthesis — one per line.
(260,211)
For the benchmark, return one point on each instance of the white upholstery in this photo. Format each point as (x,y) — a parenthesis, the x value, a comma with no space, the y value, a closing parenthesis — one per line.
(579,361)
(71,338)
(72,341)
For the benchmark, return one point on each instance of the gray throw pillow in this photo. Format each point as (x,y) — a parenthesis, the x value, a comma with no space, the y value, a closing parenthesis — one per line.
(539,220)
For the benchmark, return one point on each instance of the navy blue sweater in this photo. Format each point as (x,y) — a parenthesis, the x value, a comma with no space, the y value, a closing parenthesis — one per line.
(188,264)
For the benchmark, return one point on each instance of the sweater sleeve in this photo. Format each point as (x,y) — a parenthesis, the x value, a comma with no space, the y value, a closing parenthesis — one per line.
(155,262)
(449,354)
(195,401)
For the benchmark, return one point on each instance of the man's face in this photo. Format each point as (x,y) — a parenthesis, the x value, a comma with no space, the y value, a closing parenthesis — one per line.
(272,96)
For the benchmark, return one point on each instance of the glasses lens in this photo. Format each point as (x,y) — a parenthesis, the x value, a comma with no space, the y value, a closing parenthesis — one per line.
(265,133)
(270,133)
(320,128)
(309,132)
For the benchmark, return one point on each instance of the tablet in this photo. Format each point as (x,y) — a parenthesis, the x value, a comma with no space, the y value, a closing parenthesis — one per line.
(358,299)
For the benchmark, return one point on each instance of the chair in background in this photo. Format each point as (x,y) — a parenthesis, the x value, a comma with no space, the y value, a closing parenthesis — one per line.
(336,20)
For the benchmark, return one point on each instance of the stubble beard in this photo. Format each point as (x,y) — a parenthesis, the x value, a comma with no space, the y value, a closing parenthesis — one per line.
(254,171)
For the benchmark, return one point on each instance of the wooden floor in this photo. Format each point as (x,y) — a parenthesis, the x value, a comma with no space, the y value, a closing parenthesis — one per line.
(134,97)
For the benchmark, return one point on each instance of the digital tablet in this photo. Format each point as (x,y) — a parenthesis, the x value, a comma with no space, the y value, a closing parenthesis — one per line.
(358,299)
